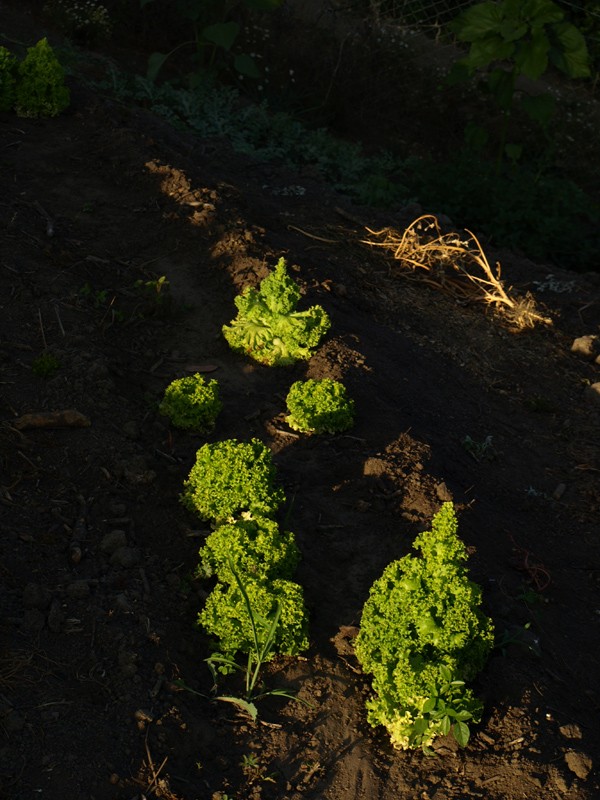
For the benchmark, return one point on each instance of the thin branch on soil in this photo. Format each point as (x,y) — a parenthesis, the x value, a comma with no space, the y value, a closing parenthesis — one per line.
(42,330)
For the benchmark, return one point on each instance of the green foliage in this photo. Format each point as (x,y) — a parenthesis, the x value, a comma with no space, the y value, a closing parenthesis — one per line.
(41,90)
(226,617)
(214,35)
(231,477)
(255,547)
(86,21)
(268,328)
(8,80)
(192,403)
(319,406)
(45,365)
(519,37)
(422,636)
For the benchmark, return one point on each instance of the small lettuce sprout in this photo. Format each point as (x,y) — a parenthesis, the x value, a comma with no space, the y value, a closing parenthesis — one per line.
(8,80)
(233,619)
(254,547)
(230,478)
(192,403)
(422,635)
(268,328)
(319,406)
(41,90)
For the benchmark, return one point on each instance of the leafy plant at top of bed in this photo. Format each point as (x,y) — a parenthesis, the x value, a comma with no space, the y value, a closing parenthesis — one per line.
(268,328)
(41,90)
(192,403)
(518,38)
(319,406)
(422,636)
(215,33)
(231,477)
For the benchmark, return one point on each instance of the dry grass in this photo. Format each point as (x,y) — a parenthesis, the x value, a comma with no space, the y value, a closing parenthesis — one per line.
(455,266)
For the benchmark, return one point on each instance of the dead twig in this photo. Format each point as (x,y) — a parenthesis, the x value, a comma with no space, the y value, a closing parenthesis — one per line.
(456,266)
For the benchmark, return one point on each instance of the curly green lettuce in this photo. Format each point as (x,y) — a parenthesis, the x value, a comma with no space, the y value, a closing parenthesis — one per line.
(191,403)
(268,328)
(319,406)
(41,90)
(229,478)
(255,547)
(225,616)
(422,636)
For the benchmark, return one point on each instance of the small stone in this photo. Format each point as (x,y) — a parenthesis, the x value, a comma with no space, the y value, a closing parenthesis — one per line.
(571,731)
(126,557)
(78,590)
(122,603)
(114,779)
(118,509)
(113,541)
(559,491)
(587,347)
(578,763)
(592,392)
(36,596)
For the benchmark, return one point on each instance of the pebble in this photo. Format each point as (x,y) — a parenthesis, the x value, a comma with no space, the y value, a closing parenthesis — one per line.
(126,557)
(578,763)
(113,541)
(571,731)
(587,347)
(592,392)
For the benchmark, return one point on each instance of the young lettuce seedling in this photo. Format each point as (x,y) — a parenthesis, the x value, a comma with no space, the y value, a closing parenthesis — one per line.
(268,328)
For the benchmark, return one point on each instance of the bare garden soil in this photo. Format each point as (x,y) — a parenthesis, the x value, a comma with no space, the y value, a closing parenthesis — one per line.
(97,596)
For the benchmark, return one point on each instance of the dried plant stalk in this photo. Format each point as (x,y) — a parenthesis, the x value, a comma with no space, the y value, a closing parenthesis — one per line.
(456,266)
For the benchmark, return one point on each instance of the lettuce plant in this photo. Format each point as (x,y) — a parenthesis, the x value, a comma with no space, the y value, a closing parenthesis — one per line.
(8,81)
(254,547)
(233,616)
(319,406)
(41,90)
(422,636)
(231,477)
(268,328)
(192,403)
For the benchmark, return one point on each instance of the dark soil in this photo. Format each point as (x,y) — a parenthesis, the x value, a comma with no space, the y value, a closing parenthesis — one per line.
(97,627)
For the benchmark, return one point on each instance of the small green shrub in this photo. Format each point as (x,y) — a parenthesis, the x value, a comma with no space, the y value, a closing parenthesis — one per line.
(226,616)
(41,90)
(192,403)
(255,547)
(231,477)
(8,80)
(422,636)
(319,406)
(45,365)
(268,328)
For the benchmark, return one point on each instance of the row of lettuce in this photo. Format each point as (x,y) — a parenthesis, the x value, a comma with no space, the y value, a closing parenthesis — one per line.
(423,634)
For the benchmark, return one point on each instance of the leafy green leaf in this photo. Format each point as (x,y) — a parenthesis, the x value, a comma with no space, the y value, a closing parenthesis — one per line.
(244,705)
(478,21)
(461,733)
(531,58)
(155,63)
(222,34)
(540,107)
(246,65)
